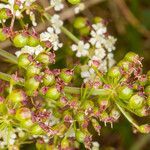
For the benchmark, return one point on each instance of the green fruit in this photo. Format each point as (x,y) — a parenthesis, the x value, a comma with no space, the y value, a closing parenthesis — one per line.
(114,72)
(31,84)
(88,104)
(65,143)
(43,58)
(36,130)
(4,13)
(66,75)
(32,70)
(136,101)
(23,114)
(73,2)
(124,92)
(33,41)
(20,40)
(48,79)
(145,128)
(148,100)
(27,124)
(52,93)
(23,60)
(16,96)
(124,64)
(3,35)
(80,136)
(79,22)
(147,90)
(141,111)
(97,19)
(130,56)
(80,116)
(84,31)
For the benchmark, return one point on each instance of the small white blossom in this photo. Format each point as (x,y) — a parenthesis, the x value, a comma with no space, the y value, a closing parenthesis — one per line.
(32,18)
(79,8)
(57,4)
(52,37)
(82,49)
(56,23)
(95,146)
(30,50)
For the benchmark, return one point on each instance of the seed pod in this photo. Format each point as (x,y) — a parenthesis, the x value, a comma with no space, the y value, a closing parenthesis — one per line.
(36,130)
(32,70)
(136,101)
(3,35)
(23,60)
(124,64)
(80,136)
(88,105)
(79,22)
(131,56)
(103,104)
(114,72)
(23,113)
(43,58)
(124,92)
(5,13)
(142,111)
(115,114)
(80,116)
(52,93)
(20,40)
(33,41)
(66,75)
(48,79)
(16,96)
(27,124)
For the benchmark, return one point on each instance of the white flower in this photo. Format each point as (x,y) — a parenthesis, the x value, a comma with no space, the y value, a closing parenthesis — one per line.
(30,50)
(52,37)
(81,48)
(57,4)
(79,8)
(32,18)
(56,23)
(95,146)
(18,14)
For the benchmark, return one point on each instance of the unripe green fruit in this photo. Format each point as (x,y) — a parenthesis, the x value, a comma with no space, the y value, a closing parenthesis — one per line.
(3,36)
(115,113)
(148,100)
(16,96)
(124,92)
(4,13)
(20,40)
(88,104)
(33,41)
(97,19)
(147,90)
(27,124)
(136,101)
(36,130)
(130,56)
(3,107)
(43,58)
(145,128)
(80,117)
(23,114)
(48,79)
(124,64)
(66,77)
(79,22)
(141,111)
(84,31)
(52,93)
(31,84)
(32,70)
(80,136)
(23,60)
(73,2)
(114,72)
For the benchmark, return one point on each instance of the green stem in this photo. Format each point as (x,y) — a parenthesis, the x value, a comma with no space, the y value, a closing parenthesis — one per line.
(128,116)
(9,56)
(67,89)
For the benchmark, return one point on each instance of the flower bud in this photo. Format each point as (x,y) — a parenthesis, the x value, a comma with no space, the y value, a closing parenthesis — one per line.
(20,40)
(23,60)
(48,79)
(124,92)
(66,75)
(136,101)
(52,93)
(145,128)
(23,114)
(80,136)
